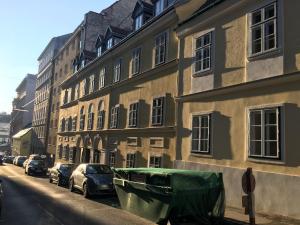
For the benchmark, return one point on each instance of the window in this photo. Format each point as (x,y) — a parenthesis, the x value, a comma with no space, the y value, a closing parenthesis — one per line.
(82,63)
(117,71)
(63,125)
(85,87)
(130,160)
(101,113)
(157,111)
(201,134)
(202,53)
(160,48)
(138,23)
(112,159)
(109,43)
(60,150)
(114,116)
(133,115)
(92,84)
(159,7)
(66,69)
(102,78)
(135,61)
(74,123)
(155,161)
(82,119)
(90,117)
(263,28)
(264,133)
(99,51)
(77,91)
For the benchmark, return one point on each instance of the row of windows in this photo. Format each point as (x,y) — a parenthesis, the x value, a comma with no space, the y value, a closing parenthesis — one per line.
(133,116)
(89,83)
(263,35)
(264,133)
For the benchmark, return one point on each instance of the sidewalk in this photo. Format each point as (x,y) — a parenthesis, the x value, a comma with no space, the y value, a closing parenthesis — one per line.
(237,217)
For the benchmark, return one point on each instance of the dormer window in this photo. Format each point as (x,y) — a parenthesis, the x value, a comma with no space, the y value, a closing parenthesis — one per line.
(159,7)
(99,51)
(138,22)
(109,43)
(82,63)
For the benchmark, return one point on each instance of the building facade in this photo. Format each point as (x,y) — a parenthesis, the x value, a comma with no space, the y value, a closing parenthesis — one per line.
(239,98)
(43,90)
(78,51)
(21,116)
(4,133)
(123,110)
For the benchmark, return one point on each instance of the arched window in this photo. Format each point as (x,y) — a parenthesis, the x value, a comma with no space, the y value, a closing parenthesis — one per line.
(91,117)
(82,118)
(100,118)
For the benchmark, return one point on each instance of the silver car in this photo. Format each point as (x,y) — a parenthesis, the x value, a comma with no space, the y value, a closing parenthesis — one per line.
(92,179)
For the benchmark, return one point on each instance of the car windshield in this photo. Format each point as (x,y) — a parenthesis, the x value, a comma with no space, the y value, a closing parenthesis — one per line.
(37,163)
(98,169)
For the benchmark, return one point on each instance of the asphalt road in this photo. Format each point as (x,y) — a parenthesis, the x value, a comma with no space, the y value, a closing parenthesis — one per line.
(34,201)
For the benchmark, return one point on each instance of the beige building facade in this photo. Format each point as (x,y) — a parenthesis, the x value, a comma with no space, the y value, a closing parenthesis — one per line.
(124,112)
(239,99)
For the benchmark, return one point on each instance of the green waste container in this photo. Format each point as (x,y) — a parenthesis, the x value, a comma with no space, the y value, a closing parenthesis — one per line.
(160,195)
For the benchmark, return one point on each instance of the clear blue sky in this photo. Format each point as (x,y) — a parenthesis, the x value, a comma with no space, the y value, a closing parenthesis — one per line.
(26,28)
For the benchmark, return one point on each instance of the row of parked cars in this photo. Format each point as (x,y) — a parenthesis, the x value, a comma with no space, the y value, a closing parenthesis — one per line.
(89,178)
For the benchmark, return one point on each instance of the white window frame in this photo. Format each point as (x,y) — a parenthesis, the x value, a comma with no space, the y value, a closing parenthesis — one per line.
(159,7)
(117,71)
(90,124)
(200,138)
(92,84)
(136,61)
(280,135)
(114,118)
(138,22)
(74,123)
(155,165)
(133,114)
(102,78)
(99,51)
(262,25)
(130,160)
(161,41)
(209,46)
(110,43)
(112,158)
(155,122)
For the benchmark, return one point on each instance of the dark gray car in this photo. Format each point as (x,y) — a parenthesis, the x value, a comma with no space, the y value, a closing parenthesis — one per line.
(36,167)
(61,173)
(92,179)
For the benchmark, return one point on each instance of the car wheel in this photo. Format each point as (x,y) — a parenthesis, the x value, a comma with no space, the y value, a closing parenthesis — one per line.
(71,185)
(85,191)
(50,180)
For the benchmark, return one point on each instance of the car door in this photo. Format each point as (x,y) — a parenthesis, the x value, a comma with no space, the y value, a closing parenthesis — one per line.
(81,176)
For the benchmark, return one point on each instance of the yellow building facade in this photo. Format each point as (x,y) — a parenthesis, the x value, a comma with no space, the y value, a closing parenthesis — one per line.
(239,99)
(123,110)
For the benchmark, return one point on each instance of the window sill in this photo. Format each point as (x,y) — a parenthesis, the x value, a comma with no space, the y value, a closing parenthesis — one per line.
(201,155)
(266,161)
(202,74)
(265,55)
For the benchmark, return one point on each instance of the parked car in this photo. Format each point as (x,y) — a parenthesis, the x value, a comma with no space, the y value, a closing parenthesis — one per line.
(9,159)
(1,161)
(25,163)
(92,179)
(20,160)
(61,173)
(36,167)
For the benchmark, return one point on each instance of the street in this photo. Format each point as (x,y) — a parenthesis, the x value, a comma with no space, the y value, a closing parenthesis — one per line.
(34,201)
